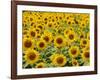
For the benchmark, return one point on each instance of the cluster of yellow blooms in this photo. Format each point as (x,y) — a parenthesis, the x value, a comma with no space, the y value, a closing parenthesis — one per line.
(55,39)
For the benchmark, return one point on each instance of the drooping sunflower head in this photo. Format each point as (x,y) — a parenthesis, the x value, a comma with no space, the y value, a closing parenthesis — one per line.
(41,44)
(58,60)
(74,51)
(31,56)
(28,43)
(40,65)
(59,41)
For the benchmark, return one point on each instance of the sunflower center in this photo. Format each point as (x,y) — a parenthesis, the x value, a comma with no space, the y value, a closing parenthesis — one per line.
(24,32)
(87,54)
(83,24)
(81,36)
(71,36)
(37,30)
(45,19)
(41,44)
(73,51)
(32,56)
(32,24)
(66,32)
(75,63)
(40,66)
(59,40)
(40,27)
(31,19)
(69,22)
(50,25)
(46,38)
(28,44)
(84,42)
(33,34)
(38,36)
(60,60)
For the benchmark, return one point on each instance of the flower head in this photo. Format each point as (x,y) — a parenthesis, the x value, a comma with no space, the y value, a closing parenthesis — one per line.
(31,56)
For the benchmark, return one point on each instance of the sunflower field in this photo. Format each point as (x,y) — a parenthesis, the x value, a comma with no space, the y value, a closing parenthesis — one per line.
(55,39)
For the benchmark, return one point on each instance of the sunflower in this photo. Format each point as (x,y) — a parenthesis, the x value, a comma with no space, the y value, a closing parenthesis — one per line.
(45,17)
(40,65)
(32,17)
(38,36)
(66,31)
(33,33)
(74,51)
(31,56)
(84,42)
(47,37)
(86,55)
(82,24)
(53,19)
(50,25)
(38,30)
(71,36)
(75,62)
(58,59)
(59,41)
(28,43)
(41,44)
(40,26)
